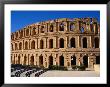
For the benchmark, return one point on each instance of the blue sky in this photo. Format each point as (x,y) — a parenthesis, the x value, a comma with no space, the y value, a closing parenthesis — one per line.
(20,19)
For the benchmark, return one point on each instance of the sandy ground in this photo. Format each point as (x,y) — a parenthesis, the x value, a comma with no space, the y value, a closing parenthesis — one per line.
(55,73)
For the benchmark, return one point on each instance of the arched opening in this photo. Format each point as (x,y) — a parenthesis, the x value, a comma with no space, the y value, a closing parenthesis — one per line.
(14,60)
(72,26)
(61,44)
(84,42)
(16,35)
(97,59)
(25,59)
(91,27)
(16,47)
(32,60)
(21,34)
(33,44)
(51,28)
(11,46)
(41,44)
(19,59)
(61,27)
(42,29)
(27,32)
(73,60)
(51,43)
(26,45)
(96,42)
(50,60)
(20,46)
(72,41)
(85,61)
(61,61)
(82,29)
(33,31)
(41,60)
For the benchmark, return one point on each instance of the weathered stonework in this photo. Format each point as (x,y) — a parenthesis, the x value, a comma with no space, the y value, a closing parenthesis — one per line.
(64,42)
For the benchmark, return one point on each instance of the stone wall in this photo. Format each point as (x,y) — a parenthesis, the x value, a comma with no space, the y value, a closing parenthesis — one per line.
(57,42)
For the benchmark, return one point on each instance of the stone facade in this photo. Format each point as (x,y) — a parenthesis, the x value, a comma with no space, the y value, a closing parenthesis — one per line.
(63,42)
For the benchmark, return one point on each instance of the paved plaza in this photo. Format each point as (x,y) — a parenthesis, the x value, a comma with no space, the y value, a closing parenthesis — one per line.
(56,73)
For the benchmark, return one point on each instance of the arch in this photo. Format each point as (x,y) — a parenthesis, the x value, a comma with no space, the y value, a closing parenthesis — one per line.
(20,46)
(61,61)
(33,31)
(51,28)
(16,47)
(85,61)
(11,46)
(96,42)
(97,59)
(14,60)
(33,44)
(73,60)
(25,60)
(91,27)
(21,34)
(72,42)
(50,60)
(32,60)
(42,29)
(41,44)
(82,29)
(27,32)
(51,43)
(40,60)
(72,26)
(26,45)
(85,42)
(61,27)
(61,43)
(19,59)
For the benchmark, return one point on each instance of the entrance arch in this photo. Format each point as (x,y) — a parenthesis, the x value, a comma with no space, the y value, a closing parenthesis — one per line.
(85,61)
(72,41)
(84,42)
(96,42)
(41,44)
(19,59)
(50,60)
(61,61)
(97,59)
(41,60)
(61,44)
(51,43)
(33,44)
(26,45)
(25,59)
(32,60)
(73,60)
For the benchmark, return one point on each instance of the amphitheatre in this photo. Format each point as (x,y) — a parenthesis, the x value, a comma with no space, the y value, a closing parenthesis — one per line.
(59,42)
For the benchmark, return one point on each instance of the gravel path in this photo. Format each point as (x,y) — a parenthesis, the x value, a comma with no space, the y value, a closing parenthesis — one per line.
(70,74)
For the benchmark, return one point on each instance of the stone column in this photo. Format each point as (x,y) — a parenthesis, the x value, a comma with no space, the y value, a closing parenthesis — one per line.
(54,42)
(35,44)
(91,61)
(66,42)
(90,42)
